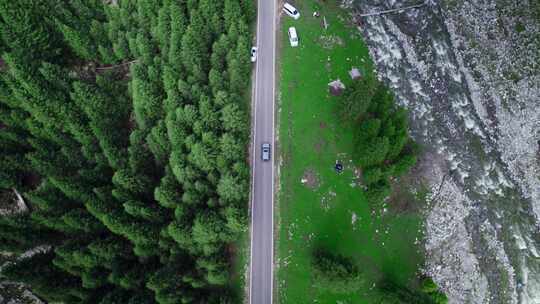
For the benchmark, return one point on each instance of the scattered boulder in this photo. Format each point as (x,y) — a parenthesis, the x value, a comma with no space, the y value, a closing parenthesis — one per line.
(355,73)
(336,87)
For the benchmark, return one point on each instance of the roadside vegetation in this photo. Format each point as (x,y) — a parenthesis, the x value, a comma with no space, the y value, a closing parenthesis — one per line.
(340,239)
(124,125)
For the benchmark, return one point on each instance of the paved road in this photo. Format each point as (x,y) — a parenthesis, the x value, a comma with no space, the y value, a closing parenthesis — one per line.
(262,237)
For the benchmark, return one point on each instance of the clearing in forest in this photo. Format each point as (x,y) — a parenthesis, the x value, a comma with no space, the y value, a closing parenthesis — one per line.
(317,206)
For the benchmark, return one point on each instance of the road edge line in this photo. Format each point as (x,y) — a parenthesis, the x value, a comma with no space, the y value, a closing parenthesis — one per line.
(253,136)
(274,21)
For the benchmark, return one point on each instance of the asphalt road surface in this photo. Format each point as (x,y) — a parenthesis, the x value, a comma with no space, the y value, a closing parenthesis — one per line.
(262,203)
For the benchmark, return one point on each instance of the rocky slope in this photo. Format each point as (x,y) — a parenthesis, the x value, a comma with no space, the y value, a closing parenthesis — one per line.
(13,292)
(468,71)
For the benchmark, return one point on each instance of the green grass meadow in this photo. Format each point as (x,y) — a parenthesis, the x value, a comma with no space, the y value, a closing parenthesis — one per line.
(326,208)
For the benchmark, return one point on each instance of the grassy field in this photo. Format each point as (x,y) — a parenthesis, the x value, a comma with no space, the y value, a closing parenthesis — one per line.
(317,206)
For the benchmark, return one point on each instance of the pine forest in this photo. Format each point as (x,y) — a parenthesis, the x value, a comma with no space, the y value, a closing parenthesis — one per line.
(124,126)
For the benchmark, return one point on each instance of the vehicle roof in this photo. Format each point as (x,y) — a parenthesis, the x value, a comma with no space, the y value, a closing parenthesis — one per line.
(292,30)
(288,6)
(266,145)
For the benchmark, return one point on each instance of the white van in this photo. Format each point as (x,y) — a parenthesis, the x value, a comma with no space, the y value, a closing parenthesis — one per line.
(293,37)
(291,11)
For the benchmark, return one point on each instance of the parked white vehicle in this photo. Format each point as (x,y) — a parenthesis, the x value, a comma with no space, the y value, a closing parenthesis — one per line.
(291,11)
(293,37)
(253,54)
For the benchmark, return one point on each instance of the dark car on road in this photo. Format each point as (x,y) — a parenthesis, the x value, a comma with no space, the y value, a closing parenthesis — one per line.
(265,151)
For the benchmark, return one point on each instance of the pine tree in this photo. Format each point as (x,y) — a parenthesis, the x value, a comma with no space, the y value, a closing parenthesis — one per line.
(231,189)
(106,120)
(231,13)
(25,27)
(335,272)
(147,96)
(209,233)
(158,142)
(233,119)
(163,30)
(178,27)
(12,161)
(358,97)
(193,49)
(168,193)
(51,284)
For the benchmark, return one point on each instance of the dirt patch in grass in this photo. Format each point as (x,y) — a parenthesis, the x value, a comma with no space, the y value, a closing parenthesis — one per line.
(310,179)
(357,179)
(409,192)
(330,41)
(328,66)
(406,198)
(327,200)
(293,85)
(322,125)
(318,146)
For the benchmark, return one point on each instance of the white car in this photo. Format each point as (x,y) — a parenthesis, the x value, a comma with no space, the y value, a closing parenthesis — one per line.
(253,54)
(291,11)
(293,37)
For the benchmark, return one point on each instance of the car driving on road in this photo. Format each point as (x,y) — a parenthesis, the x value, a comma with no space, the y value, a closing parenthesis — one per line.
(265,151)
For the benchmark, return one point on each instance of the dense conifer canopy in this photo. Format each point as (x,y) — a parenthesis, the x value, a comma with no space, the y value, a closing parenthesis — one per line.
(383,148)
(124,124)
